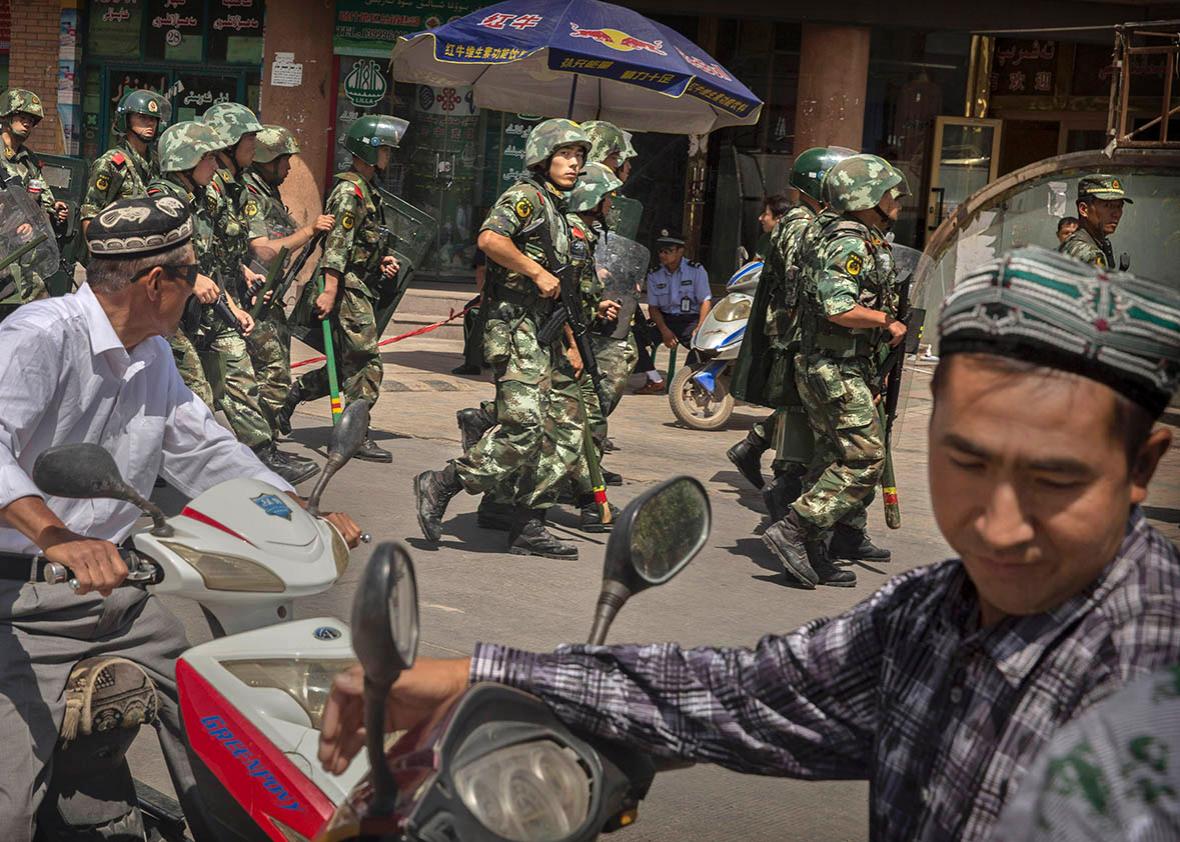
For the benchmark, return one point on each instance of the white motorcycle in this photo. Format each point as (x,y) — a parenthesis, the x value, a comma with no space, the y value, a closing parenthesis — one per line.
(699,391)
(251,699)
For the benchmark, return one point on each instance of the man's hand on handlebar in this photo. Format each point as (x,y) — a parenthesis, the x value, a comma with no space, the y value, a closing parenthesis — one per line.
(96,565)
(346,526)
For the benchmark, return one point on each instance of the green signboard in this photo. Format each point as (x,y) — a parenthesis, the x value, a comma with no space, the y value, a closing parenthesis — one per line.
(371,27)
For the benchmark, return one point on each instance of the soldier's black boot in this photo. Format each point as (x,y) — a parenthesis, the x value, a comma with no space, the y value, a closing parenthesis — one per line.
(855,545)
(433,490)
(473,423)
(590,519)
(610,477)
(494,515)
(530,537)
(293,472)
(370,451)
(283,416)
(746,456)
(783,490)
(788,539)
(829,574)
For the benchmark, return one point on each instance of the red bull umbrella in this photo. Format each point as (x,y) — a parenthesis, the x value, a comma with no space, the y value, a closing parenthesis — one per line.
(583,59)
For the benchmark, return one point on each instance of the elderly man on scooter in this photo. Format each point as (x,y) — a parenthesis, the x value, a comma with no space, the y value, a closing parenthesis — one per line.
(944,686)
(94,366)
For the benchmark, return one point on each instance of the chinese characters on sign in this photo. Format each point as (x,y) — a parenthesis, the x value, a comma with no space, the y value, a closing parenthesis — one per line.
(1024,68)
(371,27)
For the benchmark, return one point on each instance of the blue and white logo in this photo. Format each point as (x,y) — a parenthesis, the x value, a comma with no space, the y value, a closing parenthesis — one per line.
(326,633)
(273,505)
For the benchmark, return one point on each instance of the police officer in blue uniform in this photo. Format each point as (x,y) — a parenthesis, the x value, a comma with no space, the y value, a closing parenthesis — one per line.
(678,299)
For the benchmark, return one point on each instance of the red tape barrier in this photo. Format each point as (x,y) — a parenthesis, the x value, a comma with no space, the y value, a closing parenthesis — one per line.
(392,339)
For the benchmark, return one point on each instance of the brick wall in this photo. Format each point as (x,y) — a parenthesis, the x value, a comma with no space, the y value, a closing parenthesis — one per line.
(32,64)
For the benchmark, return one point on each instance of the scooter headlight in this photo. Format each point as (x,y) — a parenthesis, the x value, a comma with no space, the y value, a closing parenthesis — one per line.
(229,572)
(529,792)
(731,309)
(307,682)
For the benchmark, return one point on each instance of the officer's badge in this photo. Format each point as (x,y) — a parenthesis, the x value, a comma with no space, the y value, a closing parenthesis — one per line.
(273,505)
(854,264)
(102,182)
(9,153)
(251,209)
(524,209)
(347,220)
(153,106)
(1115,184)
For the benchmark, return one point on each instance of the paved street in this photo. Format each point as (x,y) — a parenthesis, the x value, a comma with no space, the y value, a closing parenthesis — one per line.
(731,594)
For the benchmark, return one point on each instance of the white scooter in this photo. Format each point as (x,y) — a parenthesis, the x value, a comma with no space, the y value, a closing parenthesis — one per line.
(251,701)
(699,392)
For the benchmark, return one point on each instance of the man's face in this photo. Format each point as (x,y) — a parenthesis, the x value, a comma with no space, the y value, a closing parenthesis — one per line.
(171,289)
(203,172)
(890,206)
(143,126)
(384,157)
(670,256)
(565,165)
(22,124)
(612,161)
(275,172)
(1029,480)
(244,151)
(624,171)
(1103,215)
(767,219)
(1066,231)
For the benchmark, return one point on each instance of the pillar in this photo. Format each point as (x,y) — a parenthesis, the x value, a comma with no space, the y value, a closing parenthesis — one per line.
(32,64)
(833,78)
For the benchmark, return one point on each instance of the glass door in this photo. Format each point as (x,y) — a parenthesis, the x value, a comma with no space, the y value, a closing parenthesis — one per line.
(966,157)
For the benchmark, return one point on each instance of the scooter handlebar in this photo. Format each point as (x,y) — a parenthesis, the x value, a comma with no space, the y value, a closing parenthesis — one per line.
(140,571)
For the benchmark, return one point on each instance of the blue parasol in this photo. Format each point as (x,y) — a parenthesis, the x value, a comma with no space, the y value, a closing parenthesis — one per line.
(582,59)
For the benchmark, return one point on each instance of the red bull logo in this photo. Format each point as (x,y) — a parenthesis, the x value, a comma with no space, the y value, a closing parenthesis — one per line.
(617,40)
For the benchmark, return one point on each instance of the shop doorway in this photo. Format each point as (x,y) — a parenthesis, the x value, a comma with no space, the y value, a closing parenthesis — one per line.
(1026,142)
(966,157)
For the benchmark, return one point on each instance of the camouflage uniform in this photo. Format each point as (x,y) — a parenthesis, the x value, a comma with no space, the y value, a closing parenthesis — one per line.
(21,168)
(352,248)
(118,173)
(270,343)
(1082,246)
(522,460)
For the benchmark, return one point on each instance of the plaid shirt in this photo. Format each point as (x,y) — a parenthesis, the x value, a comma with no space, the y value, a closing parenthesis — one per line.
(906,689)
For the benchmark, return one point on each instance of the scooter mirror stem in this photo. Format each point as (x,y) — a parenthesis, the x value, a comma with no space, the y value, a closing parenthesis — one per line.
(335,463)
(161,528)
(384,786)
(611,599)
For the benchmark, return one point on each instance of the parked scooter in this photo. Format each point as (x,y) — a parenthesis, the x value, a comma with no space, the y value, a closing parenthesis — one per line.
(498,766)
(243,551)
(699,392)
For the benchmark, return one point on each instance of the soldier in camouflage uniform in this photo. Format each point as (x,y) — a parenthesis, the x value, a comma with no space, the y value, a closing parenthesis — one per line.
(1100,207)
(271,229)
(354,264)
(125,170)
(847,308)
(521,461)
(20,112)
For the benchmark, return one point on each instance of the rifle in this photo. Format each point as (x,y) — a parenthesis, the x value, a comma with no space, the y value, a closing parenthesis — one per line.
(296,267)
(221,308)
(272,278)
(891,372)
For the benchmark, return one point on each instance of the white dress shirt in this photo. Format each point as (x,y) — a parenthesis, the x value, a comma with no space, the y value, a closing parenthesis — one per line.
(65,377)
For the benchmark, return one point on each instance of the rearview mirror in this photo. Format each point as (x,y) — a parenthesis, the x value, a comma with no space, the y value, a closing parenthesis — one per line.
(84,471)
(347,437)
(655,537)
(385,638)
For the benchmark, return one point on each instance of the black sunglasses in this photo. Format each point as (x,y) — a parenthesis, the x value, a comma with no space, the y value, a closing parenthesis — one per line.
(186,272)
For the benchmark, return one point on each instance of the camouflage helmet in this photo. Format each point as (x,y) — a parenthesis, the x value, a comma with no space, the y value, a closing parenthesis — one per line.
(811,165)
(20,101)
(607,138)
(182,146)
(371,132)
(147,103)
(231,120)
(549,136)
(274,141)
(596,181)
(859,182)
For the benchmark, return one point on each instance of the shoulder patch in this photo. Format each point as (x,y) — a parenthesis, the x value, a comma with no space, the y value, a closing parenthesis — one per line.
(119,159)
(523,208)
(347,220)
(251,208)
(577,232)
(853,265)
(154,191)
(252,189)
(360,194)
(102,182)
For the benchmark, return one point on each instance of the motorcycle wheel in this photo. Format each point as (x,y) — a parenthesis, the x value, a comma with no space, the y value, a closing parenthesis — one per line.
(694,407)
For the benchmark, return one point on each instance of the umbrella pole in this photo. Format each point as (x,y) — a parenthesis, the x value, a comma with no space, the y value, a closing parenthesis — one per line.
(573,95)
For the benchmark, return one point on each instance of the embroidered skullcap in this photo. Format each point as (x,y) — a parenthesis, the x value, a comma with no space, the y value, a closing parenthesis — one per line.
(139,227)
(1040,306)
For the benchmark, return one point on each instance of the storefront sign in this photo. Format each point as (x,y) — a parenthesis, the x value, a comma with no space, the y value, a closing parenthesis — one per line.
(235,31)
(365,84)
(1092,71)
(371,27)
(1024,68)
(174,29)
(114,28)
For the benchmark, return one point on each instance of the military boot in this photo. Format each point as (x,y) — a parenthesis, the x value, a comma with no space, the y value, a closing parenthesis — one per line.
(292,472)
(851,543)
(473,423)
(788,539)
(783,490)
(297,462)
(610,477)
(494,515)
(590,519)
(283,416)
(370,451)
(829,574)
(746,456)
(433,490)
(530,537)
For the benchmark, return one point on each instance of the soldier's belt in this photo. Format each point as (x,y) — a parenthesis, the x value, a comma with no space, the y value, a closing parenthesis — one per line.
(851,345)
(530,301)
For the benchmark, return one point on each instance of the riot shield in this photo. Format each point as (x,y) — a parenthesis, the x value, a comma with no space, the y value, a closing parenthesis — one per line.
(622,265)
(24,228)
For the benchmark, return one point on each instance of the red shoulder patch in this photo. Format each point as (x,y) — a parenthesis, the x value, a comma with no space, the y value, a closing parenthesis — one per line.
(216,187)
(253,189)
(119,159)
(360,194)
(578,233)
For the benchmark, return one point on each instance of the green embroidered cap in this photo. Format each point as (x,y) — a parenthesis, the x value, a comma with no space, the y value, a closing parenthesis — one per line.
(1101,186)
(1040,306)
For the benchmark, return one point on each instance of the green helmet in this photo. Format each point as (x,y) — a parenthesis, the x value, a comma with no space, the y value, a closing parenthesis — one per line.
(182,146)
(371,132)
(274,141)
(859,182)
(147,103)
(811,165)
(231,120)
(549,136)
(607,138)
(20,101)
(596,181)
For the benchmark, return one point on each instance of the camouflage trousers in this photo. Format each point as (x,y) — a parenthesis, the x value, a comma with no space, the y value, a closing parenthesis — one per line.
(524,460)
(569,421)
(616,360)
(849,440)
(358,359)
(235,389)
(188,363)
(270,352)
